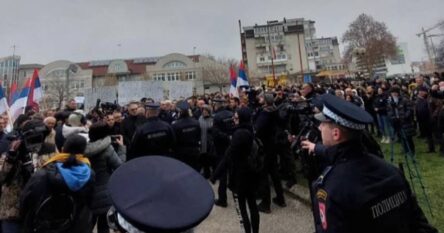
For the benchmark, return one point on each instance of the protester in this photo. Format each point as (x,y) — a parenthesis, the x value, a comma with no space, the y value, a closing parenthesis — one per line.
(265,126)
(104,160)
(57,197)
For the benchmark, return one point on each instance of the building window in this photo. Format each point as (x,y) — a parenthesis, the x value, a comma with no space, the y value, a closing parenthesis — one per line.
(171,76)
(82,84)
(261,59)
(190,75)
(175,64)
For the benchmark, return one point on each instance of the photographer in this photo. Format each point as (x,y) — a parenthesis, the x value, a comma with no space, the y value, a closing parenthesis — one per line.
(400,113)
(17,167)
(104,160)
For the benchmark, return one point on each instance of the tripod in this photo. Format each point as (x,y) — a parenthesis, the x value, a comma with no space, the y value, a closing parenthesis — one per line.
(412,166)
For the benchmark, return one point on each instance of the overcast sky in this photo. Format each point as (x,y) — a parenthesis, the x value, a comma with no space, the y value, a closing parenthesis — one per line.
(83,30)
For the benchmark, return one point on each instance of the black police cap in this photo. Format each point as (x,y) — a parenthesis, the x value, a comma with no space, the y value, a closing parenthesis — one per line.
(343,113)
(183,105)
(152,105)
(160,194)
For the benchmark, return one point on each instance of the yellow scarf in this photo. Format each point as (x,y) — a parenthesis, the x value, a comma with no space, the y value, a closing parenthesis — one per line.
(62,157)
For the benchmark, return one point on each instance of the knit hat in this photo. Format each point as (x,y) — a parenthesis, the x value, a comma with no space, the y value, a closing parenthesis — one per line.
(75,119)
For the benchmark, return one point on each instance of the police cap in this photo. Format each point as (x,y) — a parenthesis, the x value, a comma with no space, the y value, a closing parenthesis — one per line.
(160,194)
(219,100)
(343,113)
(152,105)
(183,105)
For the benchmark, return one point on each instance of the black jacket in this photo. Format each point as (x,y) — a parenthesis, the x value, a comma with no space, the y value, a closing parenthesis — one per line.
(401,115)
(129,126)
(363,193)
(380,103)
(422,110)
(187,132)
(155,137)
(222,129)
(241,179)
(266,126)
(49,181)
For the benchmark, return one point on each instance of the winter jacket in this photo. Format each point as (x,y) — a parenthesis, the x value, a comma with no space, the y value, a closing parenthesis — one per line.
(128,127)
(104,160)
(15,174)
(380,103)
(76,182)
(242,179)
(266,126)
(422,110)
(401,115)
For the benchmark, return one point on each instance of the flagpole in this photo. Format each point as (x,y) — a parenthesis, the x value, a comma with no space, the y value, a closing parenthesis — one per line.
(269,45)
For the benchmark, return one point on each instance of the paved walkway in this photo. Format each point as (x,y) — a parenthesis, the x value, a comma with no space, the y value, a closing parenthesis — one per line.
(295,218)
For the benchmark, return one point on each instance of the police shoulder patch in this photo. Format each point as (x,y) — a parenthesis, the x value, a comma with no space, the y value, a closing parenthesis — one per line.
(321,194)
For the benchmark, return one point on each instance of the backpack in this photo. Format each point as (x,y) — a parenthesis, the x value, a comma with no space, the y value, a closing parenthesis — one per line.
(55,214)
(256,157)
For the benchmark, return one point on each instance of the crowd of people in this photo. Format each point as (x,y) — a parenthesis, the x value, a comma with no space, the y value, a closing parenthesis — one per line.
(50,151)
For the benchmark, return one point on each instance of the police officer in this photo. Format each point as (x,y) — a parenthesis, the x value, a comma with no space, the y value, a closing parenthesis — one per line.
(358,192)
(169,207)
(222,128)
(154,137)
(187,131)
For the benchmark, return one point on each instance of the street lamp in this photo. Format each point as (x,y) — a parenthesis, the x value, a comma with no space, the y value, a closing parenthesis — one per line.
(73,68)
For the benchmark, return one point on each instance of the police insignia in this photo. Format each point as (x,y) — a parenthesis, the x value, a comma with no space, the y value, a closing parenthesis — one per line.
(323,215)
(321,194)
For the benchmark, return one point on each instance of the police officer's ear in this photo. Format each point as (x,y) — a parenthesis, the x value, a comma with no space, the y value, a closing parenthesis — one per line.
(337,134)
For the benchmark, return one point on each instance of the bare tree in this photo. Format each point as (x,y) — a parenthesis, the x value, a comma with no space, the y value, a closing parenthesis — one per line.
(372,39)
(55,92)
(440,51)
(216,71)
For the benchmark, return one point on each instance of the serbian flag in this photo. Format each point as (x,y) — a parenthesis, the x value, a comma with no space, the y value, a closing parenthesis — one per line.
(19,103)
(35,92)
(13,94)
(3,102)
(242,79)
(233,81)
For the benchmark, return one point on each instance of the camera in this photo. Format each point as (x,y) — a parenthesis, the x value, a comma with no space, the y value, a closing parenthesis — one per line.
(108,107)
(304,107)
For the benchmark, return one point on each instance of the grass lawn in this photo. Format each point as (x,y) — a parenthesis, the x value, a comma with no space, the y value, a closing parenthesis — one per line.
(431,168)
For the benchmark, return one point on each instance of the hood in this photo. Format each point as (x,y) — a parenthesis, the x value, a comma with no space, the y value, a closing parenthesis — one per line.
(96,147)
(70,130)
(75,177)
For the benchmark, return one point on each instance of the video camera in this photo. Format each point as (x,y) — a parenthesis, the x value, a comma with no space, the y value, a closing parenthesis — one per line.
(304,107)
(108,107)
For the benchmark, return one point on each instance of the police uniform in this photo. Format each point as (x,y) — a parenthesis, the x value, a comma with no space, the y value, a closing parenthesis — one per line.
(158,194)
(187,131)
(358,192)
(222,129)
(152,138)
